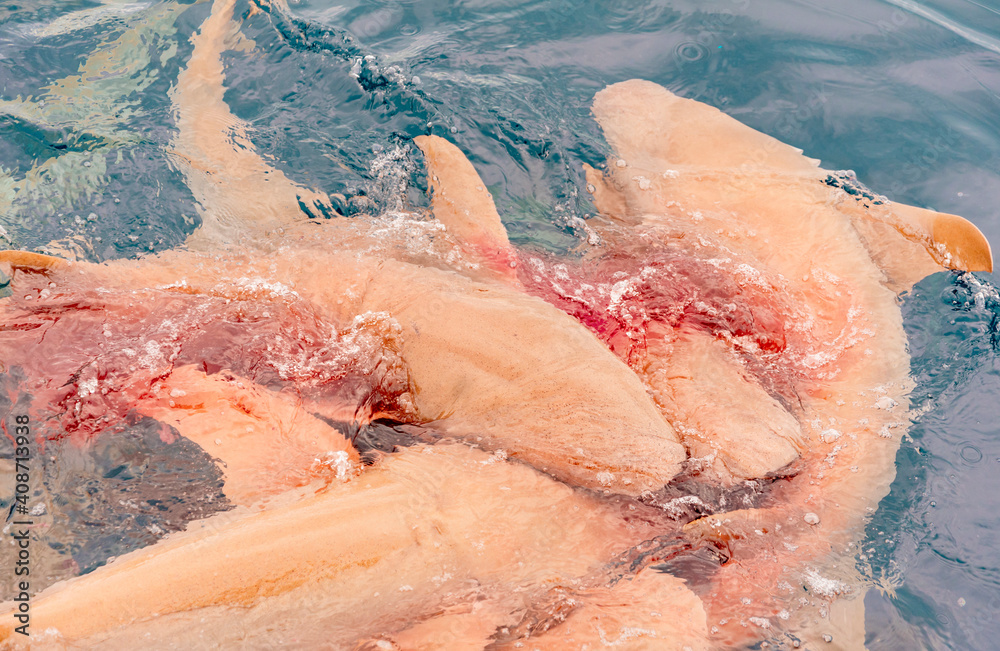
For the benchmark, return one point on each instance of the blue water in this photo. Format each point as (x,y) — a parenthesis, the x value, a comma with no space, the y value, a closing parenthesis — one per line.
(907,94)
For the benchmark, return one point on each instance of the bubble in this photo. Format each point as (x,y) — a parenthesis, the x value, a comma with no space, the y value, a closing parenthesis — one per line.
(885,402)
(811,518)
(690,51)
(971,454)
(369,25)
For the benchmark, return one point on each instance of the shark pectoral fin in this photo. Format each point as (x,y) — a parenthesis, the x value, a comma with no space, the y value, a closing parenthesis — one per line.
(28,261)
(464,205)
(910,243)
(953,241)
(648,126)
(266,442)
(717,407)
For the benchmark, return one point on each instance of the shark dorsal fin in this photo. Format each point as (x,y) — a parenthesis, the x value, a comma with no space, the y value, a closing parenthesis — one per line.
(647,124)
(464,205)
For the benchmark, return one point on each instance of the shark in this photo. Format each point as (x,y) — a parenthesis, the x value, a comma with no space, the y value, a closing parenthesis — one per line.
(672,440)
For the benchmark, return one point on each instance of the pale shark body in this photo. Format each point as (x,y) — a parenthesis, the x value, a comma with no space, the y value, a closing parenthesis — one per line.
(445,546)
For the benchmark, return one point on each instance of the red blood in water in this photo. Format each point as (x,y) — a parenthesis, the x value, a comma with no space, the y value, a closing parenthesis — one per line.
(89,355)
(622,297)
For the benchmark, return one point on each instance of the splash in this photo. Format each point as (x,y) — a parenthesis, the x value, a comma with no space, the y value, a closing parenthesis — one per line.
(90,353)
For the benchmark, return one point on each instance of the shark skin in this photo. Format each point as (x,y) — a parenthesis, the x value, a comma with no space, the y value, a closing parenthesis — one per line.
(756,295)
(384,555)
(816,392)
(264,326)
(460,372)
(737,323)
(431,357)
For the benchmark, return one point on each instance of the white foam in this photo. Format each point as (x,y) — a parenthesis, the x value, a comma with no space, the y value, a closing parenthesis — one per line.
(824,587)
(829,435)
(83,19)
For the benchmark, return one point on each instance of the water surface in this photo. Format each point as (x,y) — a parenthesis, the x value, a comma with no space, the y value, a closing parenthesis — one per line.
(907,94)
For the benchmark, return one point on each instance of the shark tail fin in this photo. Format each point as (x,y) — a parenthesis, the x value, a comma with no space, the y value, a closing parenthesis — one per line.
(238,192)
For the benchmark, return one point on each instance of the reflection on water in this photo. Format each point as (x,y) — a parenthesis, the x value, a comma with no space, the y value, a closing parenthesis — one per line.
(124,492)
(906,93)
(931,546)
